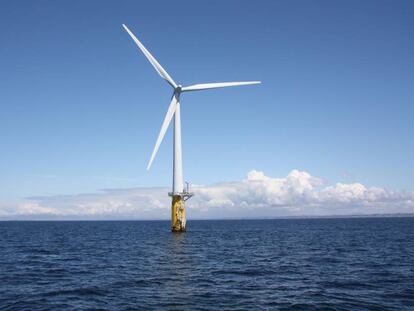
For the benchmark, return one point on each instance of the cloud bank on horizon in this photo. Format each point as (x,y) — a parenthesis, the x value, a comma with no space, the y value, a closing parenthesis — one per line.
(297,194)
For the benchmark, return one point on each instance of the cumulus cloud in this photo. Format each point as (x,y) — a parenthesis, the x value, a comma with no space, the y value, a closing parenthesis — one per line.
(299,193)
(258,195)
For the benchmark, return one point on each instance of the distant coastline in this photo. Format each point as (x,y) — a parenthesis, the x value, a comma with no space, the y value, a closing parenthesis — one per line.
(51,218)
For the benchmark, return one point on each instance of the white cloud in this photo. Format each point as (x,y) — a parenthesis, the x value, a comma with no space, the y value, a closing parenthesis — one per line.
(297,194)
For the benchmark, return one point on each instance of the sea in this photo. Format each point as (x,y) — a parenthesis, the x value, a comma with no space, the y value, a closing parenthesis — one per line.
(275,264)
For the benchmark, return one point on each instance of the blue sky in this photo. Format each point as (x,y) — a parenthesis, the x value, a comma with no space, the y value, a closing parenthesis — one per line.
(81,107)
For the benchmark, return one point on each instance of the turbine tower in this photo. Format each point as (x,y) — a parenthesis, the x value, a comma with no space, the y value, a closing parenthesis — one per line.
(179,194)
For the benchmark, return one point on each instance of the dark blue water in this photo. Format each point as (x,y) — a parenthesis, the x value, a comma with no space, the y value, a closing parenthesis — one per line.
(312,264)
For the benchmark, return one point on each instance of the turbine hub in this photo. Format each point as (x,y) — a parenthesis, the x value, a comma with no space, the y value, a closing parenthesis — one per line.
(178,88)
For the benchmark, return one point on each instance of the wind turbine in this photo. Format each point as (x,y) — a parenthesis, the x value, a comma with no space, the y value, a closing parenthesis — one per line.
(179,194)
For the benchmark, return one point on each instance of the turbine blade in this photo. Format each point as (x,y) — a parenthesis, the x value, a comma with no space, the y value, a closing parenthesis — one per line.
(164,127)
(161,71)
(206,86)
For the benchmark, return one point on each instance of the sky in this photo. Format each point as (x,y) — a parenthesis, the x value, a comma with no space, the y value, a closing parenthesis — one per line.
(329,130)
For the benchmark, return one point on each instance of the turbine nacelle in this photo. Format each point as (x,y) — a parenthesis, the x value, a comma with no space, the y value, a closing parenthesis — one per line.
(178,89)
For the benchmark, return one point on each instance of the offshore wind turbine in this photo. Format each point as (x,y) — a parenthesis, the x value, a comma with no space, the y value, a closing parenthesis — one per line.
(179,194)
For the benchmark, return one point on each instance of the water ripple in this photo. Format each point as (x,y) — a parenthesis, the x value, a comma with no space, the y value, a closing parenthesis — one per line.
(313,264)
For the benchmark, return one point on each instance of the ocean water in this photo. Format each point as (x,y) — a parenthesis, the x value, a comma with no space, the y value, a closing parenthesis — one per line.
(291,264)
